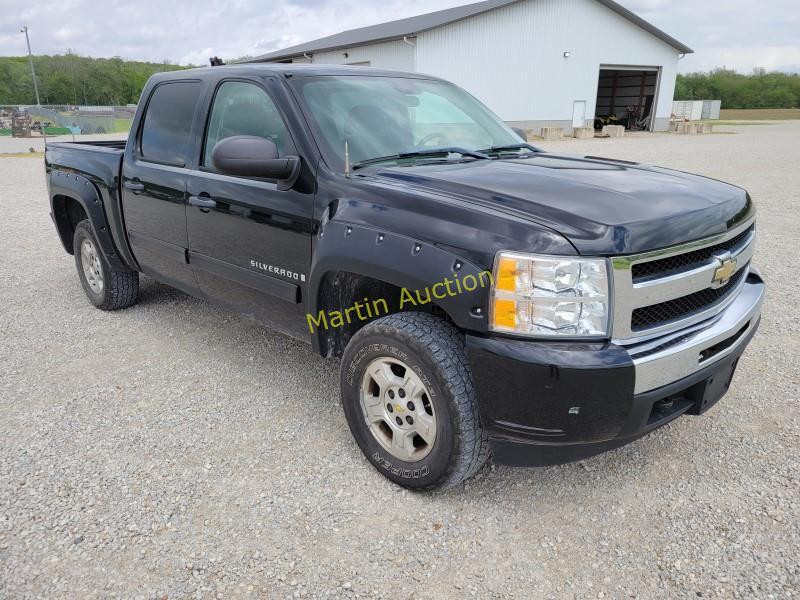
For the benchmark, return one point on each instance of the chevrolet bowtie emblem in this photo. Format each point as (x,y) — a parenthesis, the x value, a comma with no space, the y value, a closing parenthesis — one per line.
(724,271)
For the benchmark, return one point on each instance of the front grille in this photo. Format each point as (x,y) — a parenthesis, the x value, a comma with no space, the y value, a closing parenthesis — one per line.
(684,262)
(659,314)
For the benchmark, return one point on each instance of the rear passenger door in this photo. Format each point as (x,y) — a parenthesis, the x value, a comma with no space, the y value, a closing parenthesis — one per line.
(154,177)
(250,242)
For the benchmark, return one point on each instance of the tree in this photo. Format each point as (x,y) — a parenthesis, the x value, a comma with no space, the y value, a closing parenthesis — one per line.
(72,79)
(760,89)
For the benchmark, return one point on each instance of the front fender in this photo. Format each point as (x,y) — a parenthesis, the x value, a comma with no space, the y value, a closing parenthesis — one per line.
(404,262)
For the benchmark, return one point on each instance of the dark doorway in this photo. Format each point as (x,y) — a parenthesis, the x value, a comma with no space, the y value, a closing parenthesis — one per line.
(626,97)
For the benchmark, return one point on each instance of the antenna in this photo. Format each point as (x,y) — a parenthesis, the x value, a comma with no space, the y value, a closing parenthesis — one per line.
(346,160)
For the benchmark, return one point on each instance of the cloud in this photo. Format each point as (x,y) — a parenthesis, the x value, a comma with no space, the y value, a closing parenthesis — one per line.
(739,34)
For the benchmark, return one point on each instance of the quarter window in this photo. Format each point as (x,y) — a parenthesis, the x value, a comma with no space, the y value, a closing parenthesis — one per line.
(168,122)
(242,108)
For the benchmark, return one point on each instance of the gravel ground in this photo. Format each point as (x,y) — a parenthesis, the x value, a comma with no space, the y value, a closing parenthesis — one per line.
(176,450)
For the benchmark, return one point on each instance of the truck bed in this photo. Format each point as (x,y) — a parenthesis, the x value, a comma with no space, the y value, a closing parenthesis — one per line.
(112,145)
(100,159)
(100,164)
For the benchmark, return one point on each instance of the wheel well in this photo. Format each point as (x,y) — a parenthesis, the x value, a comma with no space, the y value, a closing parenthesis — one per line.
(67,213)
(340,290)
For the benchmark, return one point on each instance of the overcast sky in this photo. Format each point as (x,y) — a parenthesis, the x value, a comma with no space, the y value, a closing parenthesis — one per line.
(740,34)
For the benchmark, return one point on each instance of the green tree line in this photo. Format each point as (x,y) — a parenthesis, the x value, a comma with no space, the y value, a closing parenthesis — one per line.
(73,79)
(759,89)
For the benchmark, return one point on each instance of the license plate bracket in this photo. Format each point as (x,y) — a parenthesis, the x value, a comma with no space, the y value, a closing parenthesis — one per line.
(708,392)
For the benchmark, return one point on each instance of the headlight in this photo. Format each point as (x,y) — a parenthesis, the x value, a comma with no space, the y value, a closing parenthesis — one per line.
(550,295)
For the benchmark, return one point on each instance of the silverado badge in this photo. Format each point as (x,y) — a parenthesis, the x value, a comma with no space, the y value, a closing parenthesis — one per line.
(724,271)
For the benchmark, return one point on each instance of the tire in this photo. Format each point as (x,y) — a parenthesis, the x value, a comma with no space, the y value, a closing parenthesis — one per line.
(106,287)
(421,349)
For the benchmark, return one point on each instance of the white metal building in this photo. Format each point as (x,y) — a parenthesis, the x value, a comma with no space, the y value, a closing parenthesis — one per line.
(534,62)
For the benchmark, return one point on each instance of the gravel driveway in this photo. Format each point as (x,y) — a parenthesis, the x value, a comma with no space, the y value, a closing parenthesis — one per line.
(176,450)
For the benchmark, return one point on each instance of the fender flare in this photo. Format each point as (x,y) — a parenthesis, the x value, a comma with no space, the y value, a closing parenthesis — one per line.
(401,261)
(83,191)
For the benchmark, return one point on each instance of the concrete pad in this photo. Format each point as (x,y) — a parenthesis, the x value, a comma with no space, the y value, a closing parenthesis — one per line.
(614,130)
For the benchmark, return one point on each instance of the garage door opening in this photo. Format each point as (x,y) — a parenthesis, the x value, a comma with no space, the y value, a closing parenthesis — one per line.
(626,96)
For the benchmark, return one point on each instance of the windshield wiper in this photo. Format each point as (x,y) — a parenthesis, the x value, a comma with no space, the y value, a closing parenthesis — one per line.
(428,152)
(509,147)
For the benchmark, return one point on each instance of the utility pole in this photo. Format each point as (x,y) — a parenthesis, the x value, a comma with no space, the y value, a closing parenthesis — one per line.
(30,58)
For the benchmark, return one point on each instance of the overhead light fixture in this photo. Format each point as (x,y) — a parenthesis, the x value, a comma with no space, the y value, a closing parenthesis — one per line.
(566,54)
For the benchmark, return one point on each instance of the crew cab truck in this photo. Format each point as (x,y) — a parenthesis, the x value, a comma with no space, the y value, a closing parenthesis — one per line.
(484,296)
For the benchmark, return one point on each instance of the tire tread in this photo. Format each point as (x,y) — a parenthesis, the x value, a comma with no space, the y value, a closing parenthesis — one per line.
(444,343)
(121,289)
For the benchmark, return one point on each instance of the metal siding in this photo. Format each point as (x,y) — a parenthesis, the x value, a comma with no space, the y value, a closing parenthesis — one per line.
(397,55)
(716,105)
(512,58)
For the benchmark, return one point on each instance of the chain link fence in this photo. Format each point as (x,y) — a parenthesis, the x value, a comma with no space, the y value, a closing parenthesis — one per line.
(66,119)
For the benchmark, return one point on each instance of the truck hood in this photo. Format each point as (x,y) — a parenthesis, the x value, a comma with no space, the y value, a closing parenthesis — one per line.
(602,206)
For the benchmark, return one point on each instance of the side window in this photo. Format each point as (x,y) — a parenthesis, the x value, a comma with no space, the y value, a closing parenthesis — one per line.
(244,109)
(168,122)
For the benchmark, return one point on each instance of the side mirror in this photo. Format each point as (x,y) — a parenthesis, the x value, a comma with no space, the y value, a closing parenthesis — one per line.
(252,156)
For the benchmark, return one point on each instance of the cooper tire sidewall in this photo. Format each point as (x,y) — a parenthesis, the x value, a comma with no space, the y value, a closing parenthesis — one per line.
(432,467)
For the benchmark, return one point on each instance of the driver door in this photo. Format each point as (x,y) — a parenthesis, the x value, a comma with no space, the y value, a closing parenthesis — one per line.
(249,242)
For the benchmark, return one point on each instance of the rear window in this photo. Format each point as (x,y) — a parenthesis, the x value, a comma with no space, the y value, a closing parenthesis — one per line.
(168,122)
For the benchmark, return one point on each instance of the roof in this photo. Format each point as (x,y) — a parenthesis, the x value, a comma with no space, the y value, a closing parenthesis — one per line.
(395,30)
(295,70)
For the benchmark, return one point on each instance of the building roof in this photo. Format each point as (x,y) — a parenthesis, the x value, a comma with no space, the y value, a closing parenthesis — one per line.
(396,30)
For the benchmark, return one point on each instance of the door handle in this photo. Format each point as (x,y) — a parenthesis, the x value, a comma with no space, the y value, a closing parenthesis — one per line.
(134,186)
(202,202)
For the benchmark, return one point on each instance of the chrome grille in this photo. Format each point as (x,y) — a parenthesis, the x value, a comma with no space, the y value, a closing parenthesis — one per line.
(664,291)
(688,260)
(664,312)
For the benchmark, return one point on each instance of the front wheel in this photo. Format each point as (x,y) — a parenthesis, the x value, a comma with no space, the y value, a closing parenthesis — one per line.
(410,402)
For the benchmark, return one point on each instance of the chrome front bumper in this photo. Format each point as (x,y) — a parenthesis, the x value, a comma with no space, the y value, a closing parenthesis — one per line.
(685,352)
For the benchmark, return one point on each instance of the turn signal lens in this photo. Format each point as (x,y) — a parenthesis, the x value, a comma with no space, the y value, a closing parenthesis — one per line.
(506,274)
(550,296)
(505,313)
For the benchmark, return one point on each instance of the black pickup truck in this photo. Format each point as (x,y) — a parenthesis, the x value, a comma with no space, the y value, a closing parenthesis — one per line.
(484,296)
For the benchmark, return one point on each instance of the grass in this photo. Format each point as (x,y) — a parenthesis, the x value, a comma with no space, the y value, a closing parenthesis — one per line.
(122,125)
(21,154)
(759,114)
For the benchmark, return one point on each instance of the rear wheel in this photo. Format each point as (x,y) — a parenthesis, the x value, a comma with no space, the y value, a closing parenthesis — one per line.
(408,397)
(106,287)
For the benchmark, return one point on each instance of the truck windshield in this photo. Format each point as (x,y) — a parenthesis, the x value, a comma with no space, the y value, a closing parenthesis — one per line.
(386,116)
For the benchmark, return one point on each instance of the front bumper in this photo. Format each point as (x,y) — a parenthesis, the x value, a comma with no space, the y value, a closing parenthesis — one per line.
(545,403)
